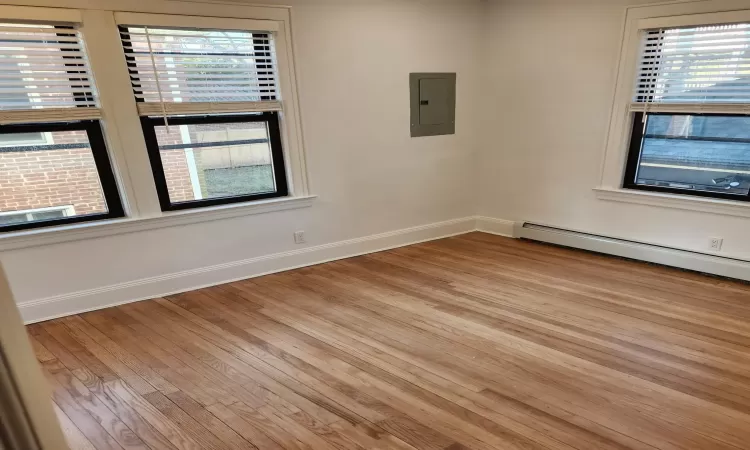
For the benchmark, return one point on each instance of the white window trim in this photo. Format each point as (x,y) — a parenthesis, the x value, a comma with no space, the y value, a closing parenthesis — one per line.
(121,121)
(618,137)
(91,230)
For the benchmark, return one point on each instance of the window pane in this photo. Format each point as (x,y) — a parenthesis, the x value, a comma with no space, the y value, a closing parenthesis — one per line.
(211,161)
(48,181)
(700,153)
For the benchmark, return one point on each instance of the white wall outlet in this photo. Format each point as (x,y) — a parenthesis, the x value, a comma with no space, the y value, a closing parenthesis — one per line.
(716,244)
(299,237)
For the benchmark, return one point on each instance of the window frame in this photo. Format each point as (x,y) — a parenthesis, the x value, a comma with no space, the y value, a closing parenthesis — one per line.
(632,164)
(612,184)
(104,169)
(286,150)
(149,125)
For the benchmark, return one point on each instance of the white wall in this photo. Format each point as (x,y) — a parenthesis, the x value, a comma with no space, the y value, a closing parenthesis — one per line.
(353,60)
(548,93)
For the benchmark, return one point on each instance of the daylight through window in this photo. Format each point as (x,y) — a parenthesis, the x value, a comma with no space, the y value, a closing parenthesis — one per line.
(691,132)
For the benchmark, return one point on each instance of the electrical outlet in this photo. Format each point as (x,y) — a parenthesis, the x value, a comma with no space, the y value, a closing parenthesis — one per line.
(299,237)
(716,244)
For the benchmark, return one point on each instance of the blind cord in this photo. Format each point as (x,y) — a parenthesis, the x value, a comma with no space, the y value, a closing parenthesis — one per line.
(156,77)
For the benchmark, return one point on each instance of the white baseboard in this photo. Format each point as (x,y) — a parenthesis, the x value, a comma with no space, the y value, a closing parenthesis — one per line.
(153,287)
(699,262)
(496,226)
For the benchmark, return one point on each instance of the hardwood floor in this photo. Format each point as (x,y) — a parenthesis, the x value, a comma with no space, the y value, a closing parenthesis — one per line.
(472,342)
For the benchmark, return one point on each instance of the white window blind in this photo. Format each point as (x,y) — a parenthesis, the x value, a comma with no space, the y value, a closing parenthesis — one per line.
(697,69)
(44,74)
(178,70)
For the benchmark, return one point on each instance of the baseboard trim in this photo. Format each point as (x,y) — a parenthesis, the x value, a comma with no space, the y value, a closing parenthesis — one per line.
(498,227)
(159,286)
(154,287)
(683,259)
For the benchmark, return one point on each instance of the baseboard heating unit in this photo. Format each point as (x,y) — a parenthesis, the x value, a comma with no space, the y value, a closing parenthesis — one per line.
(699,262)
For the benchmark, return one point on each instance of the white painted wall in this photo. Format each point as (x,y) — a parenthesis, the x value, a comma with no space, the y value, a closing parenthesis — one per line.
(353,60)
(551,68)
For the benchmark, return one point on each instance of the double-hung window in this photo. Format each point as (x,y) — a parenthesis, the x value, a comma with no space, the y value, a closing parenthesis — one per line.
(190,110)
(209,104)
(691,112)
(54,165)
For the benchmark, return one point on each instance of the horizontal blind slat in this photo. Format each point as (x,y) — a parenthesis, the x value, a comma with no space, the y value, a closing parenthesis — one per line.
(181,87)
(155,108)
(17,29)
(692,108)
(200,77)
(178,98)
(44,67)
(707,64)
(49,115)
(24,43)
(200,66)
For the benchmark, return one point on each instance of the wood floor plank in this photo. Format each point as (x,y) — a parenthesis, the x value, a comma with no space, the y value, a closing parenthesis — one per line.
(270,428)
(601,347)
(341,370)
(173,432)
(69,391)
(201,435)
(522,342)
(240,361)
(141,426)
(566,368)
(510,417)
(229,437)
(75,439)
(375,326)
(100,344)
(141,345)
(257,437)
(470,342)
(58,377)
(97,358)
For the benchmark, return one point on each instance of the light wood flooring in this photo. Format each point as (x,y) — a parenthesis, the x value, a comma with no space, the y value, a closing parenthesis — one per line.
(472,342)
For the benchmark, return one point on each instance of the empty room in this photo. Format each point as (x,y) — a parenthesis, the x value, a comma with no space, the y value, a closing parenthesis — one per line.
(374,224)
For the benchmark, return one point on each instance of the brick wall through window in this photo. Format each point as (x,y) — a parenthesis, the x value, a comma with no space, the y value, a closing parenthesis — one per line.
(44,178)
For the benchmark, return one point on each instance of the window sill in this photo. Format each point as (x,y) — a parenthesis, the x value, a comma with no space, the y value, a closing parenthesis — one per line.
(91,230)
(700,204)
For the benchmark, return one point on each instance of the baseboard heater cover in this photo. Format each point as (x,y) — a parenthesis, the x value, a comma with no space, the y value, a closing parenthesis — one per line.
(699,262)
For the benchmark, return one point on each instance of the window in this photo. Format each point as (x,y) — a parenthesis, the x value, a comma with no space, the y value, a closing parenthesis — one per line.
(239,157)
(691,128)
(210,113)
(186,113)
(54,165)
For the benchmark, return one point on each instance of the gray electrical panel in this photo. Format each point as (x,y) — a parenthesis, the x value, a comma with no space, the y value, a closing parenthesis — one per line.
(433,104)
